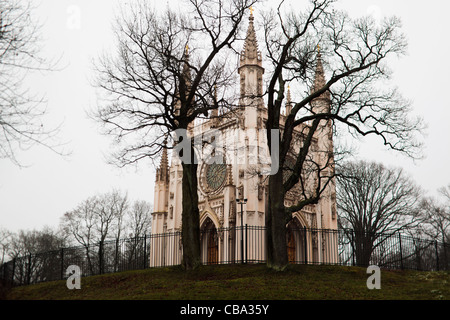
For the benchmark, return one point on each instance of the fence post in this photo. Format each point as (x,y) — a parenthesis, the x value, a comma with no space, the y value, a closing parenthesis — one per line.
(100,258)
(29,270)
(13,270)
(401,253)
(145,251)
(444,246)
(306,246)
(3,272)
(353,248)
(62,263)
(437,254)
(246,242)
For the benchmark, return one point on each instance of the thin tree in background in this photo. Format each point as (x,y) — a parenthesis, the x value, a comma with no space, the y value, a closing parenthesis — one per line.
(139,219)
(373,200)
(436,216)
(79,225)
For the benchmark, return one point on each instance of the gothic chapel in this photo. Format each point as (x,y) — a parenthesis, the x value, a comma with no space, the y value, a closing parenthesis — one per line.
(220,185)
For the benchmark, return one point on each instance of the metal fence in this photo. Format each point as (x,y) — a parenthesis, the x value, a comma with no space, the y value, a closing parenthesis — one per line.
(232,245)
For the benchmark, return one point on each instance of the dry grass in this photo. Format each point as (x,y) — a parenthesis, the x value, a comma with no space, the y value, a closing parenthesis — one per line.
(245,282)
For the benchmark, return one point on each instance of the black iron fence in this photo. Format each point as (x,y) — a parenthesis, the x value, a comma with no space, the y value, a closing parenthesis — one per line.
(232,245)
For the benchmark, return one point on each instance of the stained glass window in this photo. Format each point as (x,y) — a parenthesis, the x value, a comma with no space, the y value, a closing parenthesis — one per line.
(215,175)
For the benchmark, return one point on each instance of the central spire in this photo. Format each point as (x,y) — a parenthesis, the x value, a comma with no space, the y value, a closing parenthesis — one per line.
(250,63)
(319,78)
(321,103)
(186,67)
(250,54)
(288,102)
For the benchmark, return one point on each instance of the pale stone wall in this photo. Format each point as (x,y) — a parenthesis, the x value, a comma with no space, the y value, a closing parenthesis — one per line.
(219,209)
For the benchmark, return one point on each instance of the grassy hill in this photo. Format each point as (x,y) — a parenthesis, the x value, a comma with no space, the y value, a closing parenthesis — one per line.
(245,282)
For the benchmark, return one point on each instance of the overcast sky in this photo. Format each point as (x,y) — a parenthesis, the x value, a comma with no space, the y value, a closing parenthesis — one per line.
(79,30)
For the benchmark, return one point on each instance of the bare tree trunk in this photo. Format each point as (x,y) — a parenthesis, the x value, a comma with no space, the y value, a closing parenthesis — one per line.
(276,227)
(190,218)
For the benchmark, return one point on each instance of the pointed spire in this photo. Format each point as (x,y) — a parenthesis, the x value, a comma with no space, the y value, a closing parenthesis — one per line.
(250,53)
(186,75)
(186,69)
(162,173)
(319,78)
(288,102)
(215,112)
(164,159)
(250,67)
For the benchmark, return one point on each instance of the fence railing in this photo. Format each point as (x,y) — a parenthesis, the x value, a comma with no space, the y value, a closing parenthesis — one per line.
(232,245)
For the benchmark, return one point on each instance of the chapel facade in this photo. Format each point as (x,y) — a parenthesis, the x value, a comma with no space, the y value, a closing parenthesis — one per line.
(222,218)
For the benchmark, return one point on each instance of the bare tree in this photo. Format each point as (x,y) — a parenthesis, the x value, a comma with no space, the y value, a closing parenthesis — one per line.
(340,86)
(79,224)
(29,249)
(444,223)
(445,192)
(139,218)
(110,210)
(95,220)
(139,223)
(374,200)
(26,242)
(436,217)
(21,111)
(170,68)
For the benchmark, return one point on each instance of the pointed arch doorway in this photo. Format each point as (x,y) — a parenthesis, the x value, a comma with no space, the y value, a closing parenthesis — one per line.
(210,242)
(296,242)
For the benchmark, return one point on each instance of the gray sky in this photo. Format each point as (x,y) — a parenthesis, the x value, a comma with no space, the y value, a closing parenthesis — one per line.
(79,30)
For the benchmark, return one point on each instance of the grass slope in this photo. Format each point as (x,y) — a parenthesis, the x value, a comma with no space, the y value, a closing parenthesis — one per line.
(245,282)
